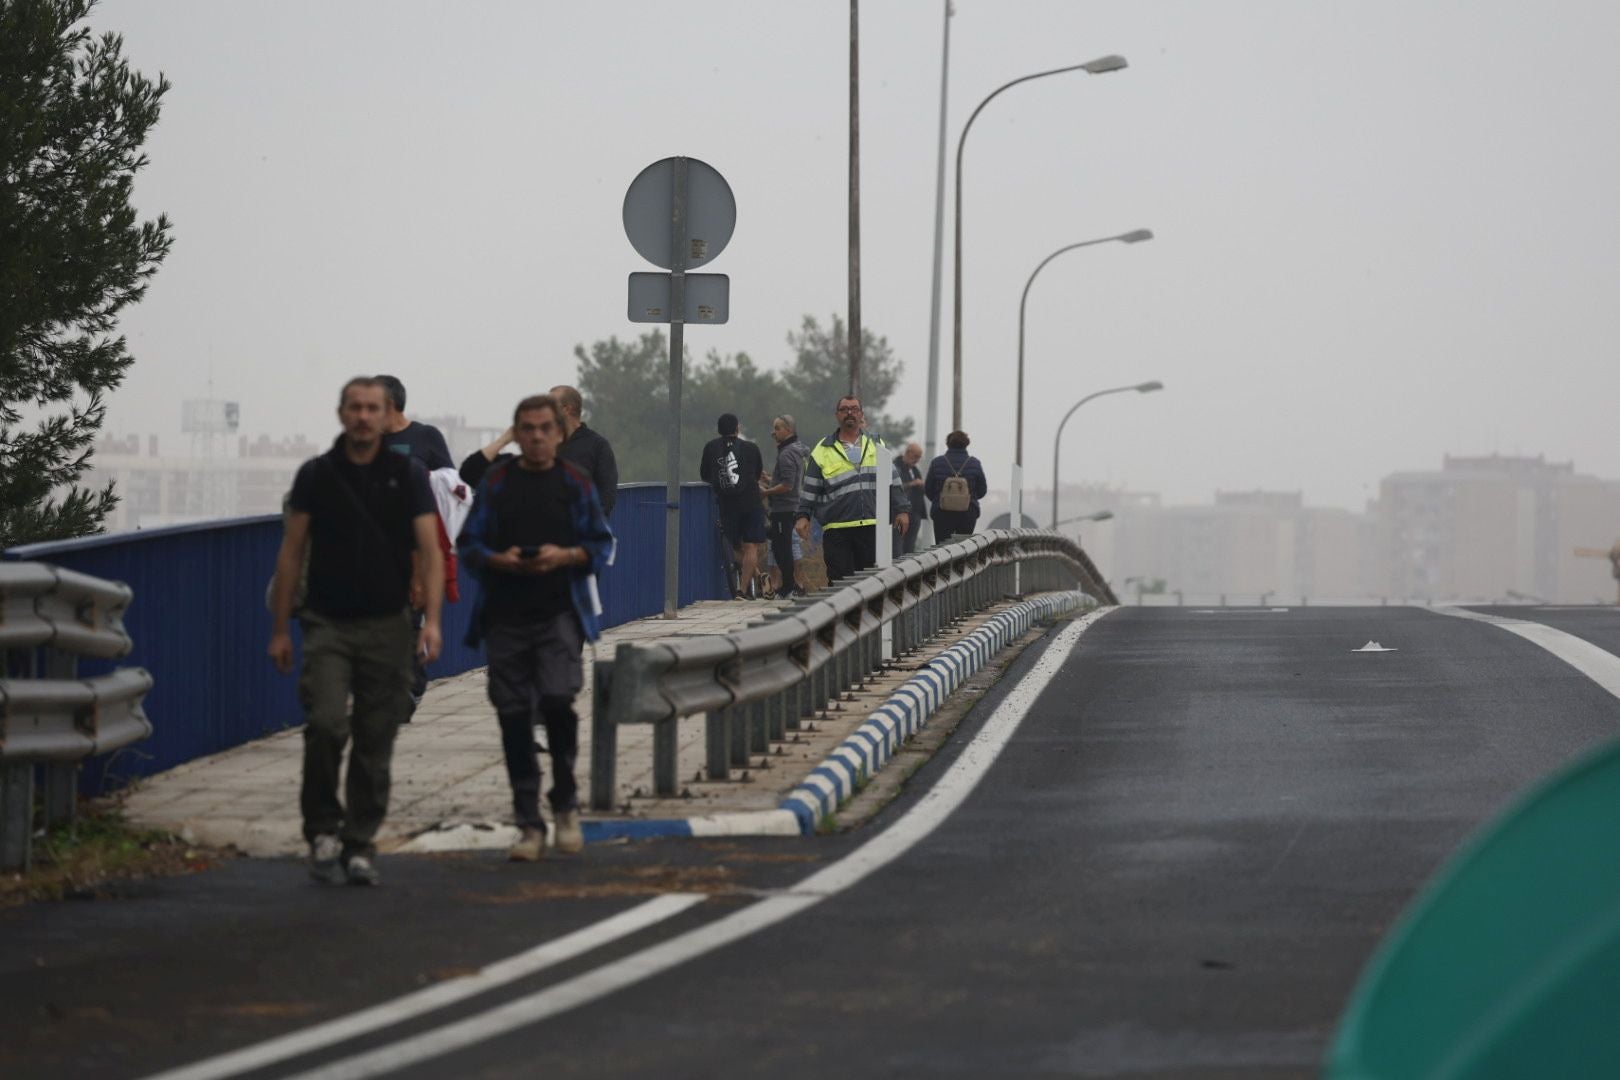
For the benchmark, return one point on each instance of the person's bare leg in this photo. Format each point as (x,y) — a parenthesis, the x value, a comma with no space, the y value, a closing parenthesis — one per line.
(750,562)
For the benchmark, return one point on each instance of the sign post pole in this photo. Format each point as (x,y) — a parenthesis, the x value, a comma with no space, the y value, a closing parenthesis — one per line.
(677,348)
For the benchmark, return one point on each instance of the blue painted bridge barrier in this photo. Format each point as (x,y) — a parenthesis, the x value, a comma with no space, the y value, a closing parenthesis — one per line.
(200,625)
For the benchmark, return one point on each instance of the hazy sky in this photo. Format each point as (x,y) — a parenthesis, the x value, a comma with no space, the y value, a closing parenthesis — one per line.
(1385,230)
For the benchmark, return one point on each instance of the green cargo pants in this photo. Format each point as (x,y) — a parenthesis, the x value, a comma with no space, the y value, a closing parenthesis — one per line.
(370,660)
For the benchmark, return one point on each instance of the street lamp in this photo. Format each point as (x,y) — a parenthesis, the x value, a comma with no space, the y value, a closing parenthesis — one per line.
(1100,515)
(1134,237)
(1140,388)
(1100,66)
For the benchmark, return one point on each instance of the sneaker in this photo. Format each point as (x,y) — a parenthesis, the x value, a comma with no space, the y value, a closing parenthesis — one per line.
(570,841)
(324,852)
(531,846)
(361,871)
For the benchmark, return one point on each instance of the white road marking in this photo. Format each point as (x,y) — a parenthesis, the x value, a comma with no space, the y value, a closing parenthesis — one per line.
(1373,646)
(1599,665)
(946,795)
(1238,611)
(438,995)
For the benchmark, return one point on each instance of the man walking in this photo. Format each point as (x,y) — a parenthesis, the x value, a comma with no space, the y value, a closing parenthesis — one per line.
(360,513)
(535,539)
(732,466)
(783,496)
(587,448)
(840,491)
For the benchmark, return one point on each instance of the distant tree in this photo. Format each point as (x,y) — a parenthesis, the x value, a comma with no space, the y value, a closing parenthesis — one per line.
(625,387)
(73,117)
(819,376)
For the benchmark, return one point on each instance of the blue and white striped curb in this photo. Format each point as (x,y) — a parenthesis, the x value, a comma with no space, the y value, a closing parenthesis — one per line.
(870,746)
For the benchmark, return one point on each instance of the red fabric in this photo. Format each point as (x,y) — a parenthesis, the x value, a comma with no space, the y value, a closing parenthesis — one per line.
(452,590)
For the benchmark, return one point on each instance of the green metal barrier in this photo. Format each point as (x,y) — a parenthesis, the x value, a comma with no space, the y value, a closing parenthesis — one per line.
(1508,964)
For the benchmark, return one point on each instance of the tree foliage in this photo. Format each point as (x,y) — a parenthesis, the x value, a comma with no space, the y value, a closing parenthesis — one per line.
(626,392)
(73,117)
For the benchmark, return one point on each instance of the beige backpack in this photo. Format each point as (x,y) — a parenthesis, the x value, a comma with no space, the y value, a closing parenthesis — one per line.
(953,493)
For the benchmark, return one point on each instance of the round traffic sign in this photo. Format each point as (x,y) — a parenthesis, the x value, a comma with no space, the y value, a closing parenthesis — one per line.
(711,212)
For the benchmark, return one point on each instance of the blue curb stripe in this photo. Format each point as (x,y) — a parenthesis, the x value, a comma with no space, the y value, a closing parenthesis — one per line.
(595,832)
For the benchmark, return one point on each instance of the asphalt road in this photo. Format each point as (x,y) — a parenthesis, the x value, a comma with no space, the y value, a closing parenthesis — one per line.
(1177,866)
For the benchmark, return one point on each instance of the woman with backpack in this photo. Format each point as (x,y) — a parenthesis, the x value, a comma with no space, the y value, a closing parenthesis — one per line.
(954,487)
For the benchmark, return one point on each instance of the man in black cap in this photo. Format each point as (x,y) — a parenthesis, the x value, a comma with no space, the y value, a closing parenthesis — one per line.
(733,467)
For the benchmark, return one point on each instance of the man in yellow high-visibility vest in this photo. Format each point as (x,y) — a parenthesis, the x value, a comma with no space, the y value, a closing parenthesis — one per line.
(840,491)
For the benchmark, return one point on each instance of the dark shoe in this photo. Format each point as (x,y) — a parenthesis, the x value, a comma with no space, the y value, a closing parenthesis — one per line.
(324,853)
(360,870)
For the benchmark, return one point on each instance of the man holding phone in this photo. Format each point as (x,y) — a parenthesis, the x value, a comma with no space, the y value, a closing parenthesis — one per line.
(535,539)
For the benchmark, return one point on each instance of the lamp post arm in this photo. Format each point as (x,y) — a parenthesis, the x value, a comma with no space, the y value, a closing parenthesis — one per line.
(1057,440)
(956,230)
(1023,302)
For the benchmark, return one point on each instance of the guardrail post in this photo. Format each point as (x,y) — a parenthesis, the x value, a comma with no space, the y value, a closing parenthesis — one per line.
(604,737)
(16,815)
(737,737)
(759,728)
(716,739)
(61,791)
(666,783)
(776,710)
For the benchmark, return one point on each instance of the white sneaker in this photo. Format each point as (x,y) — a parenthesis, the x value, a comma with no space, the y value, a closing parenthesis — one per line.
(324,852)
(531,846)
(362,871)
(570,841)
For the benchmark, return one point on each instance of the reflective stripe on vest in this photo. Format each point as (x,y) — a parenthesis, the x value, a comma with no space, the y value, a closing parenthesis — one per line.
(841,478)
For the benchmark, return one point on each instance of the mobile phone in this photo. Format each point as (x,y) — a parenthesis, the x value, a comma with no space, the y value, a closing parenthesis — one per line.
(529,551)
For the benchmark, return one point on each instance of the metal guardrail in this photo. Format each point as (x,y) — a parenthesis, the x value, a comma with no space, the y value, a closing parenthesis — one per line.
(757,684)
(50,719)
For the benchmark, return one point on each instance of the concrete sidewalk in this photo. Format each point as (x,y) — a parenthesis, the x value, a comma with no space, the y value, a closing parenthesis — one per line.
(450,789)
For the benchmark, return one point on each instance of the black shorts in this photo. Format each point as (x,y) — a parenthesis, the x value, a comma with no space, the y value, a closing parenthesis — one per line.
(742,524)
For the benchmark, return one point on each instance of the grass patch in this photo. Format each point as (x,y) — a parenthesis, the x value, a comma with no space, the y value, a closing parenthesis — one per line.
(99,849)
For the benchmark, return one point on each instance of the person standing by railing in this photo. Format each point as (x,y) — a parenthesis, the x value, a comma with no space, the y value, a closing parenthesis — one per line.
(361,513)
(955,484)
(840,491)
(782,491)
(911,480)
(535,540)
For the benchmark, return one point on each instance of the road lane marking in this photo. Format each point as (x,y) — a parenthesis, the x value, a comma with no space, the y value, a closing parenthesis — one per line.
(438,995)
(1599,665)
(949,792)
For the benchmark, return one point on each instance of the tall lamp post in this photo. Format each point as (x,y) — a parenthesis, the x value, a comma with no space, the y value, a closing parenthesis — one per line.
(1100,66)
(1136,236)
(1140,388)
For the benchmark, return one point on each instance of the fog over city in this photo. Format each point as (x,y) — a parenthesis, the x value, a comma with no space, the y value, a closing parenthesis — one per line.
(1385,233)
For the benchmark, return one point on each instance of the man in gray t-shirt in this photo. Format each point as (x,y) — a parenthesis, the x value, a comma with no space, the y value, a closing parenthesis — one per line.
(783,493)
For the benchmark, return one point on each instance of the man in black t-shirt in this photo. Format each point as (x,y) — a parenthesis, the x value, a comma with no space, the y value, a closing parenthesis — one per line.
(424,442)
(733,467)
(535,539)
(361,513)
